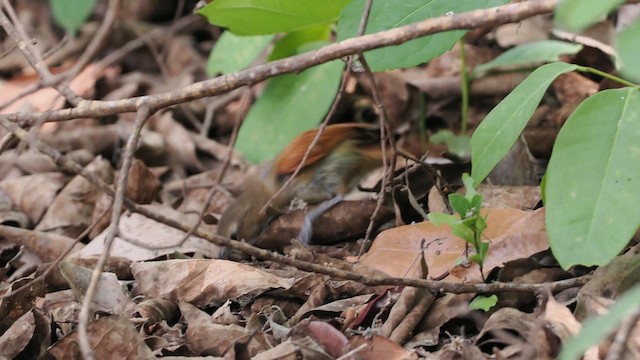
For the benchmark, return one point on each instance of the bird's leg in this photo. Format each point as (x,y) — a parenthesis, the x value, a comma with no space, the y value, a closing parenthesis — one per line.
(306,231)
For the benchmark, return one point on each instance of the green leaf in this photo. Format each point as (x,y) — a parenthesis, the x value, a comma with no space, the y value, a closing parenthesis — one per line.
(289,105)
(484,303)
(593,180)
(460,204)
(290,43)
(468,184)
(71,14)
(501,127)
(463,232)
(530,54)
(390,14)
(596,329)
(233,53)
(259,17)
(457,144)
(442,219)
(578,14)
(629,51)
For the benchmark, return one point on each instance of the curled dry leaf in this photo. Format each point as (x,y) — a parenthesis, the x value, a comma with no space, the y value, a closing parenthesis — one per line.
(28,337)
(207,338)
(204,282)
(157,310)
(48,246)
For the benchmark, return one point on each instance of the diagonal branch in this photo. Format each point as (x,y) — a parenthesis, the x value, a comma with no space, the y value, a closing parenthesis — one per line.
(222,84)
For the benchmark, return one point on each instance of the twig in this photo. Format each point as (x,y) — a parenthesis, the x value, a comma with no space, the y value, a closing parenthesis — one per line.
(132,144)
(222,84)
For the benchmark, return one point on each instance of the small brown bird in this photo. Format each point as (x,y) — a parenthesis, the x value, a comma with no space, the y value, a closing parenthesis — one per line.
(344,154)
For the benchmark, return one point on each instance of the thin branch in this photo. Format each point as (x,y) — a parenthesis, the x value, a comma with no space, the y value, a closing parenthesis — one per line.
(222,84)
(132,144)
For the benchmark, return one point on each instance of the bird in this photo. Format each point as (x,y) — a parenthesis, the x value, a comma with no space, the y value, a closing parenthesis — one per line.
(342,156)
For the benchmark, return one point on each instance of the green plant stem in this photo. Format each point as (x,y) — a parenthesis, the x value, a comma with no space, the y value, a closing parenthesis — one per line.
(606,75)
(464,84)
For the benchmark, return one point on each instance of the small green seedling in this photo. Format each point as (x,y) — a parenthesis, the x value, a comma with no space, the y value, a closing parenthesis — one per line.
(469,226)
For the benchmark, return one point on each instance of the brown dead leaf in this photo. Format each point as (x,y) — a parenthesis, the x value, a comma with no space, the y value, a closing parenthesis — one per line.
(49,98)
(525,31)
(179,142)
(31,162)
(70,212)
(111,337)
(142,187)
(609,282)
(207,338)
(109,298)
(377,347)
(203,282)
(524,238)
(27,338)
(33,194)
(396,251)
(141,238)
(48,246)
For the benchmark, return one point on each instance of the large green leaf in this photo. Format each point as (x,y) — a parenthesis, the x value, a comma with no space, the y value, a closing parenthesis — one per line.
(629,51)
(259,17)
(71,14)
(592,197)
(599,328)
(289,105)
(531,53)
(233,53)
(501,127)
(389,14)
(289,44)
(578,14)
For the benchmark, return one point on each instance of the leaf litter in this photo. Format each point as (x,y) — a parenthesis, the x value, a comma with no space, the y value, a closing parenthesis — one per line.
(161,296)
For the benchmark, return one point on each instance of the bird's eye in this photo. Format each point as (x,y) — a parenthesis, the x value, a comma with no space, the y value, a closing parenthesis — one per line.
(233,236)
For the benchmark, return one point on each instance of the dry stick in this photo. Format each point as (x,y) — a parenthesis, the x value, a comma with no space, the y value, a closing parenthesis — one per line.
(17,34)
(388,168)
(132,144)
(469,20)
(435,286)
(325,122)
